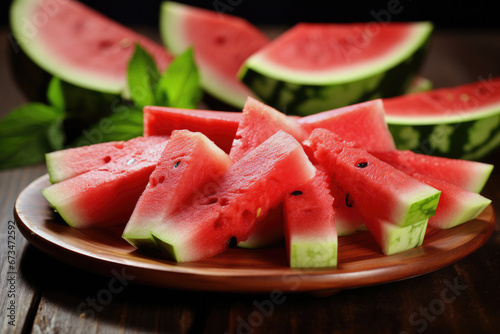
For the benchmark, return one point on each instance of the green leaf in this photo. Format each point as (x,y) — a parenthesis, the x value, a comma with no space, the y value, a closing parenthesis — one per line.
(27,133)
(125,123)
(179,87)
(143,77)
(55,94)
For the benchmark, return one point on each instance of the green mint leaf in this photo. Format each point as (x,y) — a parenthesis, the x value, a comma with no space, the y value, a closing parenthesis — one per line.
(179,87)
(123,124)
(55,94)
(143,77)
(27,133)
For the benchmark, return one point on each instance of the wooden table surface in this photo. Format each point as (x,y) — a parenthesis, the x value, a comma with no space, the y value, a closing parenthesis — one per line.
(461,298)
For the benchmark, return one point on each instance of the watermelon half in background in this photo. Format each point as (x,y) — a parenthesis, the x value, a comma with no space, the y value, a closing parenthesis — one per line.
(221,44)
(79,45)
(458,122)
(316,67)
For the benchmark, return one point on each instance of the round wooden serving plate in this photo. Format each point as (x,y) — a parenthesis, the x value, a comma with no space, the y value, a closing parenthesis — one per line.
(360,260)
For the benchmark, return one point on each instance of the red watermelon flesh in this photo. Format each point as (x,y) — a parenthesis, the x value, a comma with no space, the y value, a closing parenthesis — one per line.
(189,162)
(459,102)
(221,44)
(247,190)
(310,234)
(107,195)
(258,123)
(219,126)
(347,218)
(456,205)
(362,123)
(378,189)
(470,175)
(68,163)
(82,46)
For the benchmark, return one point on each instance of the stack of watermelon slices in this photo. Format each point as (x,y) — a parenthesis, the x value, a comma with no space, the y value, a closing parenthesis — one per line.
(308,180)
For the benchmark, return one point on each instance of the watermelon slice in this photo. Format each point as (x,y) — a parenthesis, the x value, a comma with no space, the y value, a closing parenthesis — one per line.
(370,130)
(456,205)
(378,189)
(248,189)
(107,195)
(258,123)
(457,122)
(77,44)
(470,175)
(310,234)
(189,162)
(221,44)
(219,126)
(314,67)
(68,163)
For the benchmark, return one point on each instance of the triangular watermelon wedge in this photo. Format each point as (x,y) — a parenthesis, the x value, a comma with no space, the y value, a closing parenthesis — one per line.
(221,44)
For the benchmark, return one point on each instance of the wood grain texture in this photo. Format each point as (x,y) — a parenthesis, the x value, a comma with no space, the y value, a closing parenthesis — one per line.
(51,291)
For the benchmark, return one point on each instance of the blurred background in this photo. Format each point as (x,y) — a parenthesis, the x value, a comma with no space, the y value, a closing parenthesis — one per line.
(445,13)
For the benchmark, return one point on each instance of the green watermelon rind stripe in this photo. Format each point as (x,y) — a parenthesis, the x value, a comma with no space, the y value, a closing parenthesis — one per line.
(306,99)
(470,140)
(422,209)
(394,237)
(313,253)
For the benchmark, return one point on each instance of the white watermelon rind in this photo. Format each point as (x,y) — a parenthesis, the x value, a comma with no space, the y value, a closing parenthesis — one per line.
(21,19)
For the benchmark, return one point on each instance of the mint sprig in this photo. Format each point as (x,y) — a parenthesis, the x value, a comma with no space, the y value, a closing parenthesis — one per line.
(28,132)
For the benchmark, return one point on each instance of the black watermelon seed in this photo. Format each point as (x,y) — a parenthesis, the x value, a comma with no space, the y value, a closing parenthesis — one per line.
(362,164)
(348,201)
(297,193)
(177,164)
(232,242)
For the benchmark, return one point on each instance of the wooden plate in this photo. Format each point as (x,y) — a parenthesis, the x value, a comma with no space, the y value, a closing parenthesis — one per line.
(238,270)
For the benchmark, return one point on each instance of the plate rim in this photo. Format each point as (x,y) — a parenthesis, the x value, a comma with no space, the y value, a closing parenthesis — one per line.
(168,274)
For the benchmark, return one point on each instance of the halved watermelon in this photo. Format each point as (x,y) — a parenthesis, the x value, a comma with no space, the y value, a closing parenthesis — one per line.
(457,122)
(68,163)
(77,44)
(248,189)
(188,163)
(219,126)
(221,44)
(362,123)
(378,189)
(107,195)
(470,175)
(310,234)
(314,67)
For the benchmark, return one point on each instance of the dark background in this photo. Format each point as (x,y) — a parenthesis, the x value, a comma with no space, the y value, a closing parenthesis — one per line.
(444,13)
